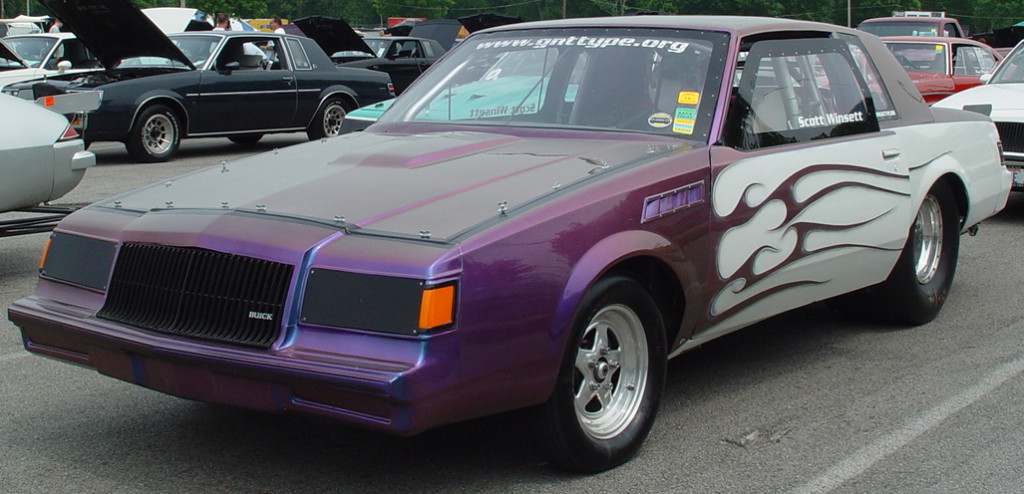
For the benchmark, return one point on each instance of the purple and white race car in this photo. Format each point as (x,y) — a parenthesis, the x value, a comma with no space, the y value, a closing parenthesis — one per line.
(542,220)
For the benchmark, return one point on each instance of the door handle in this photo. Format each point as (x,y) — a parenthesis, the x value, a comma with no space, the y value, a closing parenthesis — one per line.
(891,153)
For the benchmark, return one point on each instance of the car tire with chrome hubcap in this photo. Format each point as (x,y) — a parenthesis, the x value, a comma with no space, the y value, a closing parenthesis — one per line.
(918,285)
(155,136)
(327,122)
(610,381)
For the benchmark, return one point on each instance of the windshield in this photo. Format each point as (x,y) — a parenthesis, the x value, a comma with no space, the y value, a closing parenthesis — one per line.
(196,48)
(1011,69)
(379,46)
(920,57)
(901,28)
(645,80)
(34,50)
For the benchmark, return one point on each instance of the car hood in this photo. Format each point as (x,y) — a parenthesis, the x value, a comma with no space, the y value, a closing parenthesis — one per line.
(115,30)
(1004,98)
(486,20)
(332,34)
(177,19)
(401,186)
(7,53)
(444,31)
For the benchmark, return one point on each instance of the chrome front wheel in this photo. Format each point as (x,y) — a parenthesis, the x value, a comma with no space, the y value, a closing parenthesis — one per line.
(611,372)
(610,380)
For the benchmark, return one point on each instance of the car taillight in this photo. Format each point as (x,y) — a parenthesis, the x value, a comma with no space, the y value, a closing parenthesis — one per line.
(391,89)
(69,133)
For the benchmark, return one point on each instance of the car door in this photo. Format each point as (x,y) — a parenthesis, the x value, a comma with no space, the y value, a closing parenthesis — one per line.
(809,198)
(246,90)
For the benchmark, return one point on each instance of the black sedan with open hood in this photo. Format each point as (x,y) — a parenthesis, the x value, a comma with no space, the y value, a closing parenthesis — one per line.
(404,58)
(159,88)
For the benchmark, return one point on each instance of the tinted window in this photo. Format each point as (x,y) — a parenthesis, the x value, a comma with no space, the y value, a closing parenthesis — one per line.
(298,55)
(646,80)
(798,91)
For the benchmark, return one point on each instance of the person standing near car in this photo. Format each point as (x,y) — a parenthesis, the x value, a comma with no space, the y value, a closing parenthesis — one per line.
(222,22)
(55,27)
(276,26)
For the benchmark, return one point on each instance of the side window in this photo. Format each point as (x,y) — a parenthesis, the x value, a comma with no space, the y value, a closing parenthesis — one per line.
(794,91)
(299,59)
(964,61)
(986,60)
(428,50)
(951,31)
(884,109)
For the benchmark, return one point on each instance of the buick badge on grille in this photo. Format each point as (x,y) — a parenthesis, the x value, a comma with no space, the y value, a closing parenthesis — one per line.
(265,316)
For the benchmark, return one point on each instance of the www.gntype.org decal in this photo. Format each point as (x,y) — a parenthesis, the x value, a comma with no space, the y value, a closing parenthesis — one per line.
(669,45)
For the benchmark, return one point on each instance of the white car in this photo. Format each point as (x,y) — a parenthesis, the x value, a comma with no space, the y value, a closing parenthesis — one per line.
(35,56)
(41,156)
(1002,99)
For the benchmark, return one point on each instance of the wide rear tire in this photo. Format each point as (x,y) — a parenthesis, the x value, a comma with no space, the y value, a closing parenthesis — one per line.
(918,285)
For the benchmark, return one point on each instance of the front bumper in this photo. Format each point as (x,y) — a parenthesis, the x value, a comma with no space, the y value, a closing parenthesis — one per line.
(1015,164)
(393,396)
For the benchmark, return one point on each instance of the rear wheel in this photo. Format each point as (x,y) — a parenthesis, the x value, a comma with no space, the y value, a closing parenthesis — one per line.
(155,136)
(918,285)
(610,382)
(327,122)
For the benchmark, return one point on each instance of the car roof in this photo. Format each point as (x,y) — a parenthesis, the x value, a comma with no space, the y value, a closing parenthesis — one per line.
(43,35)
(739,25)
(931,39)
(936,20)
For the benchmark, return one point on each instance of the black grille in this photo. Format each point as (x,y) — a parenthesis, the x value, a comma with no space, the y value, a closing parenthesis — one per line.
(1012,135)
(198,293)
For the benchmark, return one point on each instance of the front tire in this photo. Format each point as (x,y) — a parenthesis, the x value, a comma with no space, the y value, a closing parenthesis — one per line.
(610,381)
(155,136)
(328,120)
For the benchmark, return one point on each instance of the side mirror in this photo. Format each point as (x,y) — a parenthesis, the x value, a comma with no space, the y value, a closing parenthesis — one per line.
(230,67)
(987,76)
(63,66)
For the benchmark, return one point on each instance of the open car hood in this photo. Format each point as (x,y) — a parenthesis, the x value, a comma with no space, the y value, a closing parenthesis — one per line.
(115,30)
(332,34)
(444,31)
(479,22)
(7,53)
(177,19)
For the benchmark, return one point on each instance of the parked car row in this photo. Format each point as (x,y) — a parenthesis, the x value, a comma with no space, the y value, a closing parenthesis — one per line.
(158,89)
(541,221)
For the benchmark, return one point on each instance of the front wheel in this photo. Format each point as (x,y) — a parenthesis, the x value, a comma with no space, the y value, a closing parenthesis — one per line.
(610,381)
(327,122)
(155,136)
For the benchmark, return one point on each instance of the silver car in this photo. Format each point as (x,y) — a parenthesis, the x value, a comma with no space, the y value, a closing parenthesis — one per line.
(41,156)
